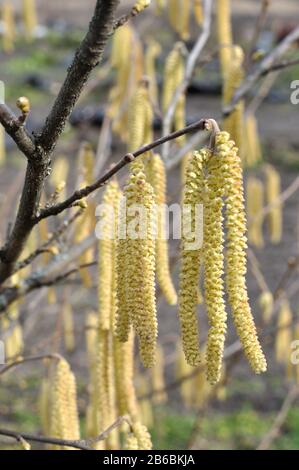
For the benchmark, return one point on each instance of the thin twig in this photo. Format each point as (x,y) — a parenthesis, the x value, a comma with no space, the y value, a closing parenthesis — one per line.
(82,444)
(125,160)
(264,67)
(280,419)
(258,29)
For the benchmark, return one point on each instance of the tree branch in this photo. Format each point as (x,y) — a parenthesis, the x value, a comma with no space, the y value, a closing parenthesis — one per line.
(16,130)
(82,444)
(79,194)
(265,67)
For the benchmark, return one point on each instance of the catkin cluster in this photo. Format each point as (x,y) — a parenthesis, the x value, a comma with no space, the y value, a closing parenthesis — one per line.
(214,179)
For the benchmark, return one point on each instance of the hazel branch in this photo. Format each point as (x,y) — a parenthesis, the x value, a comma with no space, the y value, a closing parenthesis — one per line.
(79,194)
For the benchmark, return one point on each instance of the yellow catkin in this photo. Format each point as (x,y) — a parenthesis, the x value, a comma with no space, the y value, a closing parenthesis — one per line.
(2,146)
(179,17)
(68,327)
(236,252)
(142,435)
(198,11)
(107,248)
(124,378)
(273,190)
(60,174)
(214,267)
(122,321)
(234,123)
(140,5)
(9,32)
(254,205)
(152,52)
(173,76)
(91,347)
(140,119)
(252,150)
(224,33)
(265,301)
(157,376)
(84,225)
(157,178)
(127,60)
(103,383)
(44,405)
(190,262)
(140,263)
(131,442)
(284,333)
(30,18)
(64,421)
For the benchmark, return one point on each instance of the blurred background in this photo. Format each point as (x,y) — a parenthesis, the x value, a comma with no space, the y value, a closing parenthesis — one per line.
(245,411)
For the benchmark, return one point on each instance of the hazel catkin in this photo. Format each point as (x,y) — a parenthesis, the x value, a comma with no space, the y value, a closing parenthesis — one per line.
(190,256)
(214,267)
(236,252)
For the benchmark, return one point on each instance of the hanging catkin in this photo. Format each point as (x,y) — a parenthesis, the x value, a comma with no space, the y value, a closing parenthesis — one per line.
(198,11)
(44,405)
(140,261)
(266,301)
(284,333)
(107,253)
(236,252)
(152,52)
(68,326)
(124,375)
(64,421)
(9,32)
(84,224)
(234,123)
(179,16)
(254,205)
(224,33)
(142,435)
(140,119)
(214,266)
(252,147)
(173,76)
(30,18)
(127,60)
(157,178)
(190,257)
(273,189)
